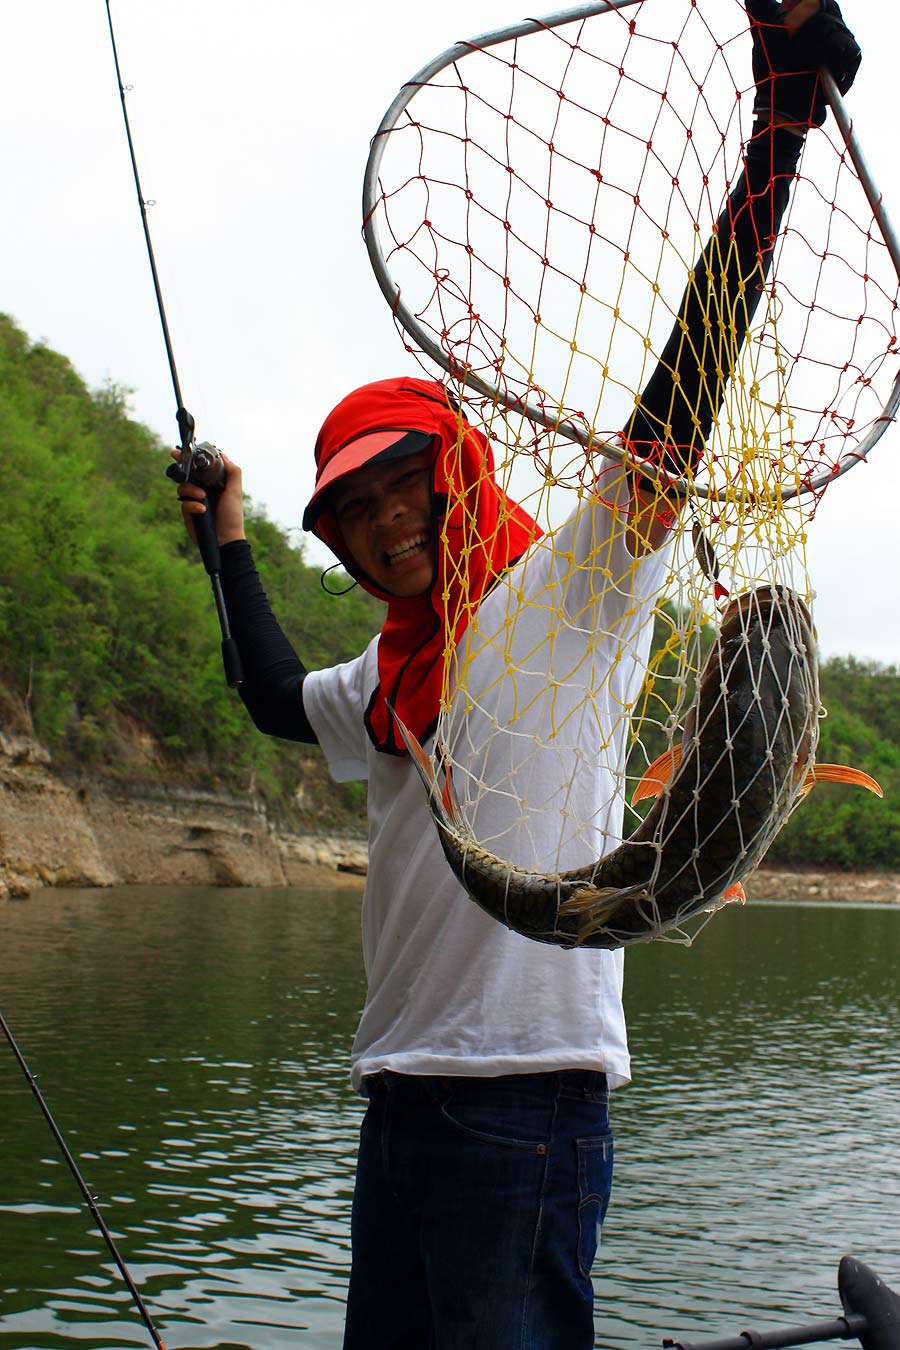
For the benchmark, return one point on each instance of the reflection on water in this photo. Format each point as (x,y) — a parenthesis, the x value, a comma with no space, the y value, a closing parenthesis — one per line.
(193,1048)
(759,1141)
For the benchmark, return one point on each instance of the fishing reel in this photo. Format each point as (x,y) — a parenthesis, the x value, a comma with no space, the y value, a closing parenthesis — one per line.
(201,464)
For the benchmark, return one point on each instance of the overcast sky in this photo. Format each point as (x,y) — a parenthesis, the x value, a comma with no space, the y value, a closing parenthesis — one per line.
(252,125)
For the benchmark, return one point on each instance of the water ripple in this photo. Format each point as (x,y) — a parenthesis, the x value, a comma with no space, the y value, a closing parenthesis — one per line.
(196,1060)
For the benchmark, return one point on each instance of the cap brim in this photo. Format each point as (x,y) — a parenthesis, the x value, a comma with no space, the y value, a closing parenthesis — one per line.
(373,446)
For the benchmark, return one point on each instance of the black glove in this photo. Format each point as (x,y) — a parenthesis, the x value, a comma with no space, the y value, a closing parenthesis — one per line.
(786,65)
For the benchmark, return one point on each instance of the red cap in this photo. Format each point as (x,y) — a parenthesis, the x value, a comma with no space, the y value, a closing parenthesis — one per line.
(395,443)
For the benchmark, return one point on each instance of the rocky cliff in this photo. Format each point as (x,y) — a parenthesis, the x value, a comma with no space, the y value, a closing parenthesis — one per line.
(93,833)
(55,833)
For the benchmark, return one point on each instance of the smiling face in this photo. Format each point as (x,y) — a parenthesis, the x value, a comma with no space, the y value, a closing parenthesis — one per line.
(384,515)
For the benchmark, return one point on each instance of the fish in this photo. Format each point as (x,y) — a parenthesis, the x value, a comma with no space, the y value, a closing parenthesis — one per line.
(745,761)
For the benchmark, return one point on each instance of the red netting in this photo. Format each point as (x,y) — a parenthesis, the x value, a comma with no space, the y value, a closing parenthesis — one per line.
(542,202)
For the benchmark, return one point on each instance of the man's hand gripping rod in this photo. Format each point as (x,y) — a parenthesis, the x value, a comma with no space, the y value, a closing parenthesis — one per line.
(202,464)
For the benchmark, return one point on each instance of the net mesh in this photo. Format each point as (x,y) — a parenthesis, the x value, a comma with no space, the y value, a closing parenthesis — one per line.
(542,205)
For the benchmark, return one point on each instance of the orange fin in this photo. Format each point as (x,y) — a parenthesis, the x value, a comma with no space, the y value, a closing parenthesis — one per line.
(448,792)
(443,801)
(734,894)
(660,772)
(839,773)
(596,906)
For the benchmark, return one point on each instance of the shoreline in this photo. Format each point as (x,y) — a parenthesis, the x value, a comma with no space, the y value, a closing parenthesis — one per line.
(811,884)
(773,884)
(57,834)
(769,885)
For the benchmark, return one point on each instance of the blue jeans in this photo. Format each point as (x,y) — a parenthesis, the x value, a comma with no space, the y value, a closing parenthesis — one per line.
(476,1212)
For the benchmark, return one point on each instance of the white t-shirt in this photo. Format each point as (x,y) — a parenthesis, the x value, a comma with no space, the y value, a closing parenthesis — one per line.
(450,989)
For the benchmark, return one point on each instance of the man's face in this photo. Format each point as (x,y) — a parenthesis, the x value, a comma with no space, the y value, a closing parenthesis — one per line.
(384,514)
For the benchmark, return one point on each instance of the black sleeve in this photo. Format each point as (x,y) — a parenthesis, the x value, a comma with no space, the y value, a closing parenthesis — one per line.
(682,398)
(272,689)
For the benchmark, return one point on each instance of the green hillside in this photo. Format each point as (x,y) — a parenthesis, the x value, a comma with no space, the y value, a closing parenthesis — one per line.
(109,643)
(845,827)
(109,646)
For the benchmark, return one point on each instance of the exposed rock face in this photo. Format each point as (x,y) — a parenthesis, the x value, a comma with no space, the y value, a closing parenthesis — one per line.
(45,837)
(769,883)
(53,834)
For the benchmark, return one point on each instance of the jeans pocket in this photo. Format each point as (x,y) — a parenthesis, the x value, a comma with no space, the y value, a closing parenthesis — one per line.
(595,1169)
(503,1112)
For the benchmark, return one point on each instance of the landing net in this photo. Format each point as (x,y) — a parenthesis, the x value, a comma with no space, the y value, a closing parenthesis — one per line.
(536,204)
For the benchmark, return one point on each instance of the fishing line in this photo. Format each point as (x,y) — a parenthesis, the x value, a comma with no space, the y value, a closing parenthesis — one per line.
(183,417)
(90,1200)
(198,463)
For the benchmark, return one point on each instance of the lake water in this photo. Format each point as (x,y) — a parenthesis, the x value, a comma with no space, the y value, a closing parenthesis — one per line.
(192,1046)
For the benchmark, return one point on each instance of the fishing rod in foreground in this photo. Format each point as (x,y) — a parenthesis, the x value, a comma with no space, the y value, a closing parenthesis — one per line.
(871,1313)
(197,463)
(89,1199)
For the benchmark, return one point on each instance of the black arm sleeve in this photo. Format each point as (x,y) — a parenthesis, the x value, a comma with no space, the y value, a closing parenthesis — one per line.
(682,398)
(272,689)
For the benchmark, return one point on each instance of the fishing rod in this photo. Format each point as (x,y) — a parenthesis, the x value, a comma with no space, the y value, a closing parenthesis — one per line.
(871,1313)
(813,1333)
(200,464)
(90,1200)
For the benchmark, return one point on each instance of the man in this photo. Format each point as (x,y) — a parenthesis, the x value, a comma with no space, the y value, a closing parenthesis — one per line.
(485,1160)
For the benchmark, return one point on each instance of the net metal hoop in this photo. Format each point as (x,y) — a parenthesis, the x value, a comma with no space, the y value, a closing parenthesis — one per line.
(563,427)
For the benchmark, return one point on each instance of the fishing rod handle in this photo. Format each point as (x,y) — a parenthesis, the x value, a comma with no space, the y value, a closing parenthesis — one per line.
(231,656)
(208,544)
(207,540)
(840,1328)
(183,471)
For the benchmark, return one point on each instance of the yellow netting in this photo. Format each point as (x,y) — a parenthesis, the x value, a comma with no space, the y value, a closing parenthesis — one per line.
(542,206)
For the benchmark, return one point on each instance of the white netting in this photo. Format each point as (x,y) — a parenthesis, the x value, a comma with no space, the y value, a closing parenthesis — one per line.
(541,207)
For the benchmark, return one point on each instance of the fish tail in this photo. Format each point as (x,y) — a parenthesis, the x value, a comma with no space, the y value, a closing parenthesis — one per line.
(449,798)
